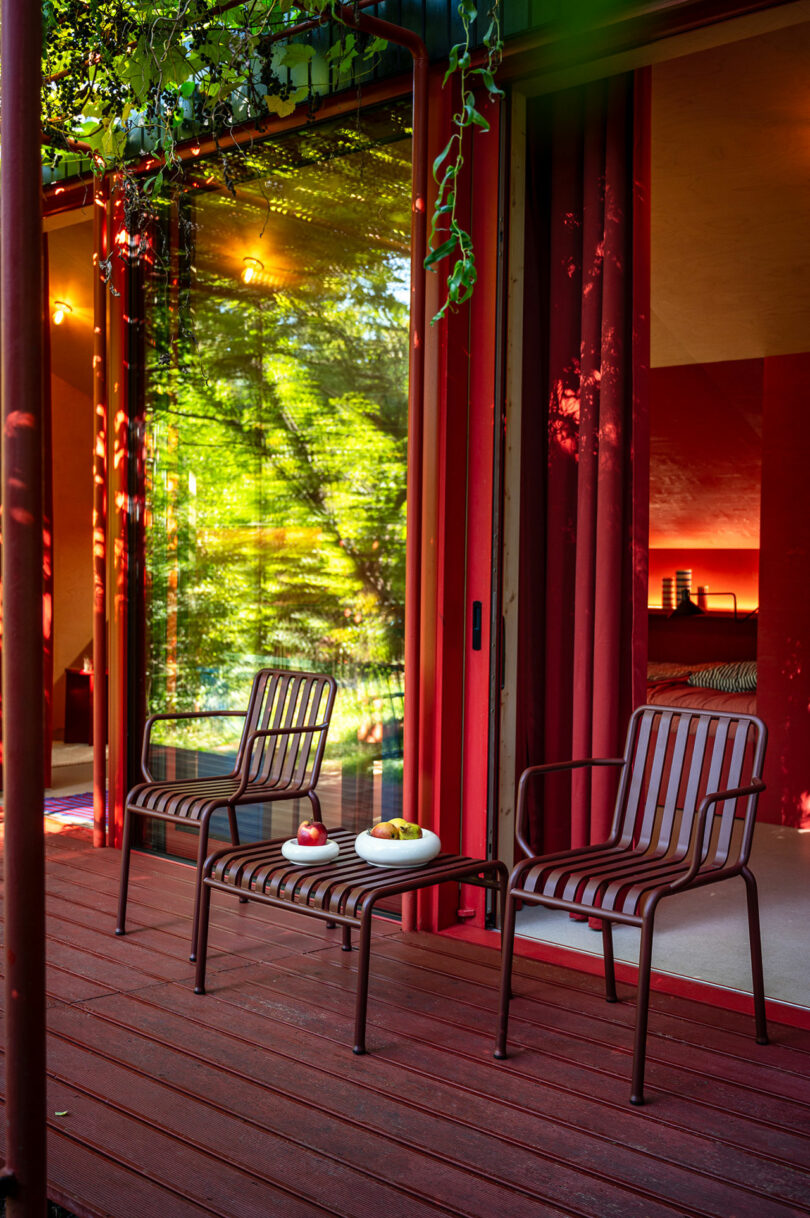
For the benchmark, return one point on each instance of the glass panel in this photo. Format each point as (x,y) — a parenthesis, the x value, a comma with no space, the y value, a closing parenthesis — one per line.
(276,454)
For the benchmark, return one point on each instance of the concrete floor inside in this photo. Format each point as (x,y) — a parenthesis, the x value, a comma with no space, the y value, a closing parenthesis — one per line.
(703,934)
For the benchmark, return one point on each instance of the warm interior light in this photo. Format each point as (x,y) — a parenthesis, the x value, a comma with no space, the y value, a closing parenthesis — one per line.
(251,269)
(60,311)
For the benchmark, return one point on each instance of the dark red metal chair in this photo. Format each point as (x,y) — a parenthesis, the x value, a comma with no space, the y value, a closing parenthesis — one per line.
(684,817)
(279,757)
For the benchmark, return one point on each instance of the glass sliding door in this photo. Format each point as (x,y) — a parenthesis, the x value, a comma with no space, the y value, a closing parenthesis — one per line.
(277,356)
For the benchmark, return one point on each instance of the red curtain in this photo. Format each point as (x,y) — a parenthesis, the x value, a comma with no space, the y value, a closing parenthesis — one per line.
(584,491)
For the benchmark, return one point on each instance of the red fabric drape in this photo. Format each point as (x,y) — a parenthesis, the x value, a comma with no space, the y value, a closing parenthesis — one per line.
(584,483)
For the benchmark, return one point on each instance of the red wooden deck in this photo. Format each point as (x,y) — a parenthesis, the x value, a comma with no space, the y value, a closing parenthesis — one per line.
(177,1105)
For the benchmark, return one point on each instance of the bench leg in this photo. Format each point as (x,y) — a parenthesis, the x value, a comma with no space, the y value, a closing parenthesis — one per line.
(126,844)
(361,999)
(202,852)
(234,830)
(202,939)
(607,951)
(507,949)
(346,945)
(755,942)
(642,1011)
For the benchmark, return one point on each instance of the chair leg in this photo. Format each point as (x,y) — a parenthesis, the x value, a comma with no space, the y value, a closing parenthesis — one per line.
(202,850)
(507,950)
(126,843)
(642,1010)
(234,831)
(756,957)
(361,997)
(202,940)
(346,944)
(607,951)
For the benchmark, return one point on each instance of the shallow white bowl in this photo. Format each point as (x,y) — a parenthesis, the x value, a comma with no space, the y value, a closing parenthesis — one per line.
(310,854)
(393,852)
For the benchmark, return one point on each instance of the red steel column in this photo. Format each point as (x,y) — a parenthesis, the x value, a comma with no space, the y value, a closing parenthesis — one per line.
(100,253)
(21,287)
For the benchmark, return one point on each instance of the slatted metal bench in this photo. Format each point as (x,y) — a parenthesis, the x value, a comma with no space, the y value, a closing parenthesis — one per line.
(341,893)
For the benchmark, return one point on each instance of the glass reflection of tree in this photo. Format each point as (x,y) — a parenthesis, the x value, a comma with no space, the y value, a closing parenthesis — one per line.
(288,401)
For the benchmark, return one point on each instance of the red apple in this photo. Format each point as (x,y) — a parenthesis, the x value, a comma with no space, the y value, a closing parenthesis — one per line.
(385,828)
(312,833)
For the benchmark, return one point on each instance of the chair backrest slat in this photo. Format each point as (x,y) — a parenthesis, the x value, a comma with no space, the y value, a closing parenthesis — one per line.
(732,780)
(682,725)
(637,750)
(655,777)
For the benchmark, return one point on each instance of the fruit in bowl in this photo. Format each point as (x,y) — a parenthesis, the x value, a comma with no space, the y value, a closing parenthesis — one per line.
(397,843)
(407,829)
(395,830)
(312,833)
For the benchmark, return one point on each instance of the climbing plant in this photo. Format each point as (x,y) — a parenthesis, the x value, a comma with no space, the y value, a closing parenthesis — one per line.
(125,80)
(447,237)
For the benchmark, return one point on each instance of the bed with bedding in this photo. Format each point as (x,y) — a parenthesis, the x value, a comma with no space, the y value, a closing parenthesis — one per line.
(704,685)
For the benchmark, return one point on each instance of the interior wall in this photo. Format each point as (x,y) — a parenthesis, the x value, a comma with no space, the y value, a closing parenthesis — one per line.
(73,535)
(705,477)
(730,319)
(70,250)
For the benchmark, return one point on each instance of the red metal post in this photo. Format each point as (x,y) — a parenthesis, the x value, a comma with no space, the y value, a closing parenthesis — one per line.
(21,287)
(416,394)
(100,254)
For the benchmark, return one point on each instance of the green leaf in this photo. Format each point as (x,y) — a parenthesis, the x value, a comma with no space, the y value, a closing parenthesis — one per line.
(296,53)
(473,117)
(443,250)
(187,88)
(375,47)
(489,82)
(468,10)
(442,155)
(282,106)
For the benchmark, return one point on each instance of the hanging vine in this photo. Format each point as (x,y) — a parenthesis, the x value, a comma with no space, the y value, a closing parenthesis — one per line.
(126,80)
(447,237)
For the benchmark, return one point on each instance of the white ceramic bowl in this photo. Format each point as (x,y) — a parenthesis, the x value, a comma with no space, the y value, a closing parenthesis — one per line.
(310,854)
(396,852)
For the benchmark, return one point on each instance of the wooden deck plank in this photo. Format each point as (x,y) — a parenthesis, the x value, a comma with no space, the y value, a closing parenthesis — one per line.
(605,1151)
(181,1104)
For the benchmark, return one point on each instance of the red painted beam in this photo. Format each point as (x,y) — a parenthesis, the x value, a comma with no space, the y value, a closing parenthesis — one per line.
(100,252)
(21,327)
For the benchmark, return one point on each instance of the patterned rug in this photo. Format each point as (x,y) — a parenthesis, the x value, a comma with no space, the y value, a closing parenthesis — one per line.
(71,809)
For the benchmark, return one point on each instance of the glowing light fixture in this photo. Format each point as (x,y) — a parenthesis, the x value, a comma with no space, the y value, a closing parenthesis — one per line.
(251,269)
(61,309)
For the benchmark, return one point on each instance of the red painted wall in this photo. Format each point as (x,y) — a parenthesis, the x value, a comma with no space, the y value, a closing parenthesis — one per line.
(705,475)
(783,698)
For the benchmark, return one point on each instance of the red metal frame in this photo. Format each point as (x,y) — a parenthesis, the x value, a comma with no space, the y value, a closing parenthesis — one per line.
(24,950)
(100,250)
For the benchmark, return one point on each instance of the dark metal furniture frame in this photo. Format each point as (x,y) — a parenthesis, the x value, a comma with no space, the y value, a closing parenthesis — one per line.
(669,835)
(343,892)
(279,757)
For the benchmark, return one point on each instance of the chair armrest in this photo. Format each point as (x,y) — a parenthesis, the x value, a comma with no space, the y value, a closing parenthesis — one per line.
(754,788)
(551,768)
(263,735)
(147,729)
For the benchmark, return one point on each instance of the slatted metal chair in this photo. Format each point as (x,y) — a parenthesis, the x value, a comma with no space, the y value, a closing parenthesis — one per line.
(279,758)
(684,817)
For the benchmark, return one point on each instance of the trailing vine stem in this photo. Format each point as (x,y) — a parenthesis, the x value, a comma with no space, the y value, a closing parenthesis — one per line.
(448,239)
(165,68)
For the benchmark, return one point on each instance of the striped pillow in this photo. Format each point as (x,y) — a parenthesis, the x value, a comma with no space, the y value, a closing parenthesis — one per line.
(737,678)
